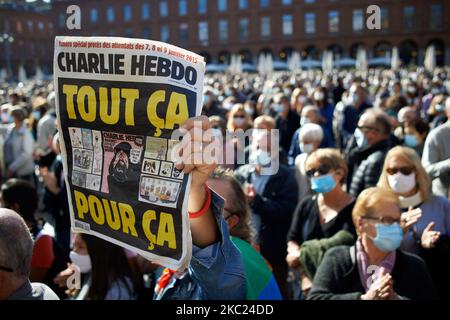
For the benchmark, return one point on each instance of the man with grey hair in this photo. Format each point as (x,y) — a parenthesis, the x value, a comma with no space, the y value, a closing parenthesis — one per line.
(436,156)
(16,250)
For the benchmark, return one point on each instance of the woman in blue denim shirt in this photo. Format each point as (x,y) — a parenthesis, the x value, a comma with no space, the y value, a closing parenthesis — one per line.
(216,270)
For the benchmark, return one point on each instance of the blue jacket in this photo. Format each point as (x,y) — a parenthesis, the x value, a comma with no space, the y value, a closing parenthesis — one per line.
(215,272)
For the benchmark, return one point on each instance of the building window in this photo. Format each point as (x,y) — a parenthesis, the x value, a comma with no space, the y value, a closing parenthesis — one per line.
(127,12)
(40,26)
(265,27)
(163,9)
(62,20)
(110,14)
(182,7)
(384,18)
(222,5)
(243,28)
(202,7)
(287,25)
(286,2)
(310,22)
(145,11)
(436,17)
(146,33)
(223,30)
(94,15)
(165,33)
(358,20)
(184,32)
(30,25)
(408,17)
(310,1)
(333,21)
(264,3)
(203,31)
(243,4)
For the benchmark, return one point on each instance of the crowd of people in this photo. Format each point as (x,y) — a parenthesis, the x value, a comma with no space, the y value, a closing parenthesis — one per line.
(356,204)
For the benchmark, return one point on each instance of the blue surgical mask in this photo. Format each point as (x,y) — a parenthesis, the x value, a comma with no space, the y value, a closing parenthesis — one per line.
(411,141)
(250,111)
(303,121)
(389,237)
(323,184)
(439,107)
(36,114)
(277,107)
(360,138)
(206,99)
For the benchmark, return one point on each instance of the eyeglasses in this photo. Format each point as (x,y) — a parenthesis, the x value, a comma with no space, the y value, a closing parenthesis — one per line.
(236,116)
(6,269)
(383,220)
(322,169)
(403,170)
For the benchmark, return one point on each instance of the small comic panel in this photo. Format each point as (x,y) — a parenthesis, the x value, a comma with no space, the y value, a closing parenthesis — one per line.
(159,191)
(97,139)
(98,161)
(82,160)
(177,174)
(156,148)
(75,137)
(87,138)
(171,151)
(166,169)
(79,179)
(151,166)
(93,182)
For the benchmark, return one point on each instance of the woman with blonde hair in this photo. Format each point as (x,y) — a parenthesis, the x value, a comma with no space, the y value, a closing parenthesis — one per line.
(404,174)
(373,268)
(238,118)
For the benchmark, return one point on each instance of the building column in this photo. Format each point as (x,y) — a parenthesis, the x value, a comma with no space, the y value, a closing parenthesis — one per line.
(420,56)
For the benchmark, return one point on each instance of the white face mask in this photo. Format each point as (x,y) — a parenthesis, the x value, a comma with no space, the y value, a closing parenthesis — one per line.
(308,148)
(238,121)
(301,99)
(318,95)
(82,261)
(216,132)
(250,111)
(401,183)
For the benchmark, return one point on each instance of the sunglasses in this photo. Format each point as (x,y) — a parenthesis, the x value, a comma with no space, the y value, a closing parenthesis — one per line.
(322,169)
(383,220)
(403,170)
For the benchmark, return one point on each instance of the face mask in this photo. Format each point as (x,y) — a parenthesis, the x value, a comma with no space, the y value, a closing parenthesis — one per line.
(82,261)
(360,138)
(389,237)
(318,95)
(206,99)
(228,92)
(303,121)
(411,141)
(323,184)
(6,117)
(36,114)
(439,107)
(301,99)
(260,157)
(412,90)
(306,148)
(216,132)
(278,108)
(435,91)
(250,111)
(287,92)
(401,183)
(238,121)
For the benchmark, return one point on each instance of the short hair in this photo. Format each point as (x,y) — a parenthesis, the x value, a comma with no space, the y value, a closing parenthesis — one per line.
(409,155)
(22,193)
(266,120)
(331,157)
(380,120)
(311,108)
(419,125)
(311,131)
(18,113)
(16,243)
(369,200)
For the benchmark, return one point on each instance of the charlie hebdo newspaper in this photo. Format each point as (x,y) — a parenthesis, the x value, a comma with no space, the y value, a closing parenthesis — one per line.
(118,101)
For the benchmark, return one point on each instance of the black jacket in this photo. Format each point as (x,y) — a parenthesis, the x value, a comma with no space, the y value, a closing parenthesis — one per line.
(366,165)
(338,277)
(275,206)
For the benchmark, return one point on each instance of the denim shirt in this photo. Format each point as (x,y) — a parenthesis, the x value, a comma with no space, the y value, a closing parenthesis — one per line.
(216,272)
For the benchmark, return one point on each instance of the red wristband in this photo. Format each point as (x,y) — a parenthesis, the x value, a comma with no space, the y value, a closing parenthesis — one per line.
(193,215)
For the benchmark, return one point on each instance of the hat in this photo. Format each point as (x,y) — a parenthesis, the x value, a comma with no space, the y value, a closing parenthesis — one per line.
(124,146)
